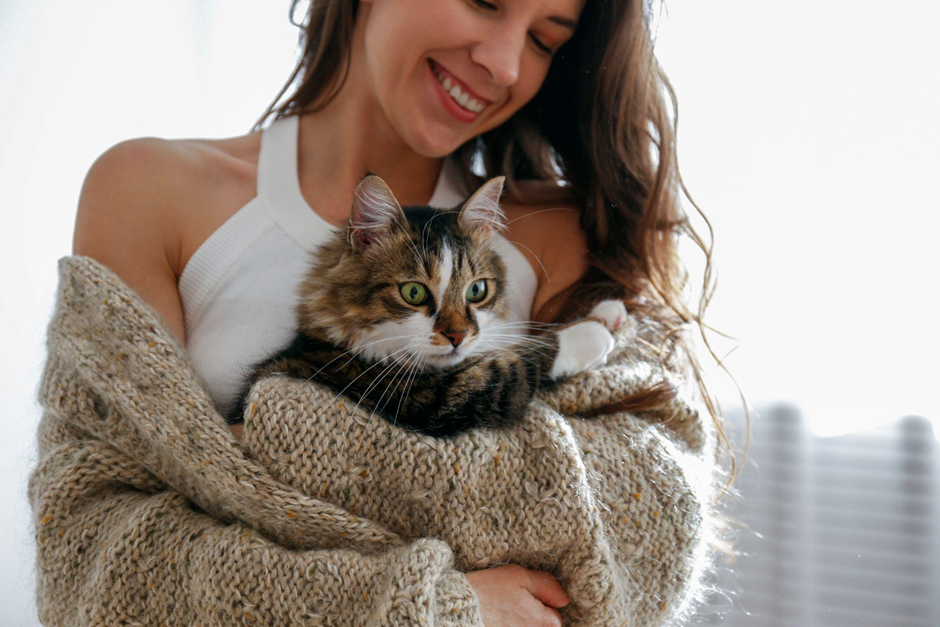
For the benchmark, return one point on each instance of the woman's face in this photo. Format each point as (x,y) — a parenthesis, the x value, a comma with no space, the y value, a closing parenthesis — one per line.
(490,54)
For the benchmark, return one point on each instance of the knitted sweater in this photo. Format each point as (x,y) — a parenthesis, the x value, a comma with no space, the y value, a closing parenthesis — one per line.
(147,510)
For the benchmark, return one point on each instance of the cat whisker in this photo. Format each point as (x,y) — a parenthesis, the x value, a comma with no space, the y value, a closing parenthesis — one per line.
(419,364)
(369,387)
(547,277)
(340,393)
(424,229)
(476,253)
(410,242)
(510,340)
(516,339)
(385,370)
(393,337)
(357,351)
(411,369)
(531,324)
(402,372)
(517,347)
(422,363)
(521,338)
(497,349)
(406,374)
(539,211)
(489,332)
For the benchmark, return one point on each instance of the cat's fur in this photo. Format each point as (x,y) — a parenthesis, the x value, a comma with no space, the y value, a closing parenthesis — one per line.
(447,364)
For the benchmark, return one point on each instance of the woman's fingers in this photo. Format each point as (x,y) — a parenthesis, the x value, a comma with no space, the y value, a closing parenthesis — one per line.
(552,617)
(545,588)
(513,596)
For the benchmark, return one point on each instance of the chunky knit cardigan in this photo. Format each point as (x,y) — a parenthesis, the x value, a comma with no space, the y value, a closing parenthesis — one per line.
(148,511)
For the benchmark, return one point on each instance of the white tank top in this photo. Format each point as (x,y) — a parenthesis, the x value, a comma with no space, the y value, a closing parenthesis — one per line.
(238,290)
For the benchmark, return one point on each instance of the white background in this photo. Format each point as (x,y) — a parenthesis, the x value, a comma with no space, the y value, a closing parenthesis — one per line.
(808,134)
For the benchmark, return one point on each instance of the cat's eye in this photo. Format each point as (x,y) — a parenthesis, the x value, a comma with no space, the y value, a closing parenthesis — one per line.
(477,291)
(414,293)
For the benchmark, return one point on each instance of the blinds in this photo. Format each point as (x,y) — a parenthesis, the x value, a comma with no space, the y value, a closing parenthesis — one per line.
(842,531)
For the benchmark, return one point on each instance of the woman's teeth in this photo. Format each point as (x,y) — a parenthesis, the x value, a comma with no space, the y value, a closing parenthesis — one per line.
(458,95)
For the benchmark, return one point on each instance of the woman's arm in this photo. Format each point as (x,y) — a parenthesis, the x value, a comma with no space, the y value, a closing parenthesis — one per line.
(128,220)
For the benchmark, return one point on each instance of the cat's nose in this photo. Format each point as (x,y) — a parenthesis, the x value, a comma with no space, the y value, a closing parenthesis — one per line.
(455,337)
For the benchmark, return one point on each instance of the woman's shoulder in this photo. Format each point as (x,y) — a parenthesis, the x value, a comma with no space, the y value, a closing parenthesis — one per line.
(544,221)
(145,201)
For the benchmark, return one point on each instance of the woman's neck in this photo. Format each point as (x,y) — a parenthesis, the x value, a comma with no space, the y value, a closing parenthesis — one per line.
(338,144)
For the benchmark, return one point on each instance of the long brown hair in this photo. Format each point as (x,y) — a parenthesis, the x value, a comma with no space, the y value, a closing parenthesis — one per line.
(603,128)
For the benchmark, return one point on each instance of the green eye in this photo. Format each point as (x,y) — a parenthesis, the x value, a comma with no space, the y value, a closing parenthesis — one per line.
(414,293)
(477,291)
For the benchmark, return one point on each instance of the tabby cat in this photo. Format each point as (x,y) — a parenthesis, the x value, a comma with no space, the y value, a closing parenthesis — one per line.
(404,312)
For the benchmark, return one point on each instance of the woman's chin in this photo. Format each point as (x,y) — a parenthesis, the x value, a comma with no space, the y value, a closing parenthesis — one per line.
(437,140)
(437,149)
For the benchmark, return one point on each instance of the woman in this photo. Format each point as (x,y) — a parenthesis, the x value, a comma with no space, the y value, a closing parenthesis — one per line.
(562,96)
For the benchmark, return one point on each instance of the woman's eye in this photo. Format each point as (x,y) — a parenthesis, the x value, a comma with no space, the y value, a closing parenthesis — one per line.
(413,293)
(535,40)
(542,46)
(477,291)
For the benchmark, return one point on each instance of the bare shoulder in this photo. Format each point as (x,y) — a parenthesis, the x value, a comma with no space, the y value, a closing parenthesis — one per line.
(547,222)
(136,209)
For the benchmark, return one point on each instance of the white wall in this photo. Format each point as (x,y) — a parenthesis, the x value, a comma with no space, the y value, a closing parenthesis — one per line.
(75,78)
(808,133)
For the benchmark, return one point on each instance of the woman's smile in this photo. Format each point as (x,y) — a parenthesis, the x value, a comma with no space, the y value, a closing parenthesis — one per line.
(457,98)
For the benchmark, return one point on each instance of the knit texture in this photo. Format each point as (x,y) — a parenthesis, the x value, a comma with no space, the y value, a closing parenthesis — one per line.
(148,511)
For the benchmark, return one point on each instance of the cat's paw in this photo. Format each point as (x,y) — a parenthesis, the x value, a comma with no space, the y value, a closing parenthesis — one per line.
(581,347)
(613,313)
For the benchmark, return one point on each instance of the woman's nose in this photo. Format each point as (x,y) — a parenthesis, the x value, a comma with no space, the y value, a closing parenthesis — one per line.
(500,53)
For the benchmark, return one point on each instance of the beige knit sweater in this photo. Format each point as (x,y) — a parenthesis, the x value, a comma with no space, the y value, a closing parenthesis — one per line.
(148,512)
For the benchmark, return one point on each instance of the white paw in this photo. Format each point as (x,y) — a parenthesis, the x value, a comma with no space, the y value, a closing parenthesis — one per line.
(613,313)
(580,347)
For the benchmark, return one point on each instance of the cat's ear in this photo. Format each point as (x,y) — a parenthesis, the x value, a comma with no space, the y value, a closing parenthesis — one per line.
(482,210)
(374,212)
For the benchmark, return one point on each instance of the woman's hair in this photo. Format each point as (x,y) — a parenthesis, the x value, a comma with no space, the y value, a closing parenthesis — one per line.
(603,128)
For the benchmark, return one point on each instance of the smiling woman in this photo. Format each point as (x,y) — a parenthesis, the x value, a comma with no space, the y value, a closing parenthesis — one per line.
(563,98)
(498,55)
(577,114)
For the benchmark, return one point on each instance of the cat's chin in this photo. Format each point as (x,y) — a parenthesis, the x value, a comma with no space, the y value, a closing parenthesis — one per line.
(446,360)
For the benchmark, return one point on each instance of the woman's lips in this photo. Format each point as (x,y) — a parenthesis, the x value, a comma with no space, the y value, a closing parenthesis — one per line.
(458,112)
(463,86)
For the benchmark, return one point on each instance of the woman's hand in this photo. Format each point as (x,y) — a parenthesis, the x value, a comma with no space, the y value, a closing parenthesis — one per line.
(513,596)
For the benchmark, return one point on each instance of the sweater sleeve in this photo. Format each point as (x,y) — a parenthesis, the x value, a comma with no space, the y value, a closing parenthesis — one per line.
(146,510)
(117,547)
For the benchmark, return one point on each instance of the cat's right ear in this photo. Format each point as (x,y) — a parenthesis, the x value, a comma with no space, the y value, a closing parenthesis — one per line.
(374,212)
(482,210)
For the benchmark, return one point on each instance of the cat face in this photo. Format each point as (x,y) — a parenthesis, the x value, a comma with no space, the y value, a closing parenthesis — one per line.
(416,285)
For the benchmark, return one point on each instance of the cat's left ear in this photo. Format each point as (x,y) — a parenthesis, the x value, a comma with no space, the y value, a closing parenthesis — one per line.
(374,212)
(482,210)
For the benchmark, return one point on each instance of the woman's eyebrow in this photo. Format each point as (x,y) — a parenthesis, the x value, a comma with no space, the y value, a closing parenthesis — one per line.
(563,21)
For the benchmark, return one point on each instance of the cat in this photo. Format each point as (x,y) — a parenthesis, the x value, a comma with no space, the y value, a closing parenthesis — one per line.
(403,312)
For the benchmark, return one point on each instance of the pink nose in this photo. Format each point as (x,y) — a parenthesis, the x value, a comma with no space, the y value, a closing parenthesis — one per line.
(455,337)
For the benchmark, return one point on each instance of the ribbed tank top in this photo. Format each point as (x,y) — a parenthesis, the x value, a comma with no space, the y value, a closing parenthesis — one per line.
(239,289)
